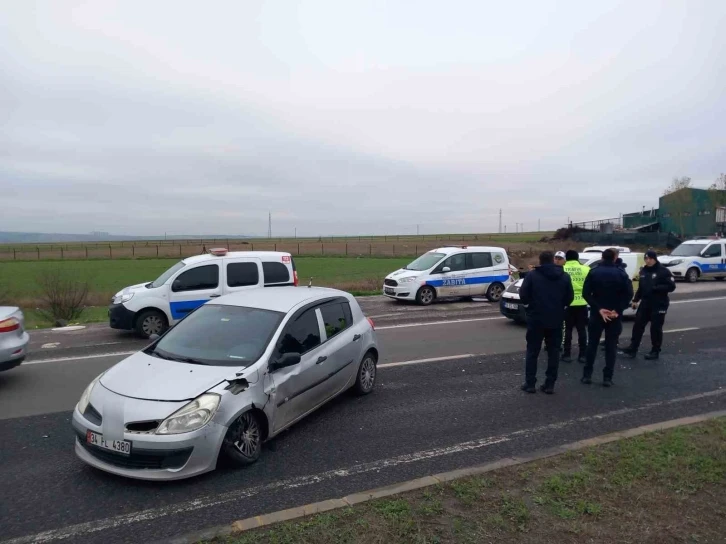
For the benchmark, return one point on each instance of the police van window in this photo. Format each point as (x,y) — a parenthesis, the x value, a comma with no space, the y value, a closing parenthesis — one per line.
(336,318)
(301,335)
(455,263)
(713,251)
(196,279)
(479,260)
(275,273)
(242,274)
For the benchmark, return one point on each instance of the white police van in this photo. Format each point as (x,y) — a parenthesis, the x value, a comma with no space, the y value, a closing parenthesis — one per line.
(458,271)
(699,258)
(150,308)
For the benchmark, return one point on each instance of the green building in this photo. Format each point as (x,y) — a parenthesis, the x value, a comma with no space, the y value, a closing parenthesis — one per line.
(685,213)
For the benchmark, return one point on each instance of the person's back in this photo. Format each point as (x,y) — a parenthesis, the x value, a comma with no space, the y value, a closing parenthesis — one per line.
(608,286)
(577,272)
(546,291)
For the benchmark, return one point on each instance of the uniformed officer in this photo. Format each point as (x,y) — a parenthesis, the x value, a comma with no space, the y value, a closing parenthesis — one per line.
(576,316)
(651,301)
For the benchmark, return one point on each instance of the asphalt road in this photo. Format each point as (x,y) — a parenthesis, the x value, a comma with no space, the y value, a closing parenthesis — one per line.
(425,416)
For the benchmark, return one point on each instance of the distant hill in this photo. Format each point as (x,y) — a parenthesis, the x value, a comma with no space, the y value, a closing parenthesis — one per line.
(46,238)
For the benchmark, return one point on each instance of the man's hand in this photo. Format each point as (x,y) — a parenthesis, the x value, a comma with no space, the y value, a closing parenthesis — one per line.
(634,305)
(606,315)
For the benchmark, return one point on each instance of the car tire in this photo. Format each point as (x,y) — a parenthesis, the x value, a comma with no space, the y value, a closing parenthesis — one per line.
(151,322)
(692,275)
(426,295)
(495,292)
(242,444)
(365,380)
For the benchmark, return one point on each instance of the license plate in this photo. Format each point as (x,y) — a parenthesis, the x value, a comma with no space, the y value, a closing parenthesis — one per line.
(510,306)
(119,446)
(389,291)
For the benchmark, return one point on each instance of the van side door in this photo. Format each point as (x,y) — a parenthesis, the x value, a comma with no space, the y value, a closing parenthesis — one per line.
(242,274)
(452,282)
(712,259)
(479,272)
(194,286)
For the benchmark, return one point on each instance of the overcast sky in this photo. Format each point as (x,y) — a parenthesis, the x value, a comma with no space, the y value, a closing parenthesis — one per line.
(343,117)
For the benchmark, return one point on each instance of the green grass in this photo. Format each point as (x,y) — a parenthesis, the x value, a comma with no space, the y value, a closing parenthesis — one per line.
(666,487)
(36,320)
(19,280)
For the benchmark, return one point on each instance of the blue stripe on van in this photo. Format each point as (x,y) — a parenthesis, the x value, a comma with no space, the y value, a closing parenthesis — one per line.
(182,308)
(452,282)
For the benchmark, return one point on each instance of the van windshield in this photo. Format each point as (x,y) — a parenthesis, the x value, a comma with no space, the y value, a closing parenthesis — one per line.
(161,280)
(424,262)
(688,250)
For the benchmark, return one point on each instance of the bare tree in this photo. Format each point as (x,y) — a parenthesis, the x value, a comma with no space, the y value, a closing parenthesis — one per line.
(718,191)
(679,200)
(63,296)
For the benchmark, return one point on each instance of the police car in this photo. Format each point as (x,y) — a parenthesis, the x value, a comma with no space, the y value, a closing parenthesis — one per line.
(458,271)
(150,308)
(699,258)
(511,307)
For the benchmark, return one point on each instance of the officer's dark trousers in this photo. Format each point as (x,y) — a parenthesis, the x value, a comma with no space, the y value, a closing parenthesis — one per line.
(612,331)
(656,317)
(552,338)
(576,318)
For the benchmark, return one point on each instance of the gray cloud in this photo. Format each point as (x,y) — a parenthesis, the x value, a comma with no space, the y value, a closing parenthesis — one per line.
(364,119)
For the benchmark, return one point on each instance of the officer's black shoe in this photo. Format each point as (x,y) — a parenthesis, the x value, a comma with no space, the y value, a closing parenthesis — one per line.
(587,380)
(582,359)
(607,382)
(548,388)
(652,356)
(630,353)
(528,388)
(566,358)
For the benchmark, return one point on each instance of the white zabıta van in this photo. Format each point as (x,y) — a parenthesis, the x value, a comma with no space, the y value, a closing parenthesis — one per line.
(152,307)
(458,271)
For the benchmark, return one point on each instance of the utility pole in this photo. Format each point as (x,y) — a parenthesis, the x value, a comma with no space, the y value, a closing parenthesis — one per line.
(269,224)
(505,229)
(295,232)
(500,220)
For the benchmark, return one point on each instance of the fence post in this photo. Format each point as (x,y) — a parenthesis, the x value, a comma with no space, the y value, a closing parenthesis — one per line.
(346,249)
(133,251)
(370,249)
(252,246)
(416,250)
(275,247)
(110,252)
(157,250)
(36,247)
(394,250)
(180,250)
(14,254)
(298,248)
(62,256)
(322,249)
(86,248)
(228,244)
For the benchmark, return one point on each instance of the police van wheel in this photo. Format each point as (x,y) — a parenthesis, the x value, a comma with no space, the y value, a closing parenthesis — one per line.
(494,293)
(692,275)
(151,322)
(425,295)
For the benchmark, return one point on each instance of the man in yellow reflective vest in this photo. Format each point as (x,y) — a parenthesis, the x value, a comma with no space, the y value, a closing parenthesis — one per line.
(576,315)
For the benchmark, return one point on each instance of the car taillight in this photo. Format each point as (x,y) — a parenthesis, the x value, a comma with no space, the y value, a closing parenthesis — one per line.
(295,278)
(373,326)
(9,325)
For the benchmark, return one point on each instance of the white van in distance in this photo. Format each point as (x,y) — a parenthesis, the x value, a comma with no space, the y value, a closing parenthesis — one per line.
(698,259)
(459,271)
(151,308)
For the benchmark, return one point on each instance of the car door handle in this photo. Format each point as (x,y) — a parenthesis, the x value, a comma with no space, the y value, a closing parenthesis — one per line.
(356,338)
(214,296)
(321,359)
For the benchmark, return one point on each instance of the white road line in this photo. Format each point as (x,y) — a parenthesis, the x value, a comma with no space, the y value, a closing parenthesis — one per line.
(209,501)
(682,330)
(430,323)
(690,300)
(79,357)
(431,360)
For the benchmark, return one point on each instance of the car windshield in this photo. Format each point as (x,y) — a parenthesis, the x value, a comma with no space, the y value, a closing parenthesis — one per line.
(219,335)
(424,262)
(161,280)
(688,250)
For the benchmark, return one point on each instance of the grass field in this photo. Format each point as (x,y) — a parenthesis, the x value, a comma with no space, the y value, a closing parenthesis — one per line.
(666,487)
(19,279)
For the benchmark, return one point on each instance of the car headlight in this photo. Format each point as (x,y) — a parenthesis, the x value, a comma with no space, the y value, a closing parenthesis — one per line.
(191,417)
(677,261)
(513,288)
(407,280)
(86,396)
(122,297)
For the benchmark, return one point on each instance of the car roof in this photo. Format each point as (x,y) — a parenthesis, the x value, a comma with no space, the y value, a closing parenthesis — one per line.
(264,255)
(702,241)
(454,249)
(278,299)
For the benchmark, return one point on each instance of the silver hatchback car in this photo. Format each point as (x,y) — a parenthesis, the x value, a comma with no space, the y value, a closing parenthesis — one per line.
(13,338)
(235,372)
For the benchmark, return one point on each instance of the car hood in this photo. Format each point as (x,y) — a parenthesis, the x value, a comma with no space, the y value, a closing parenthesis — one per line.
(668,259)
(402,273)
(145,377)
(132,289)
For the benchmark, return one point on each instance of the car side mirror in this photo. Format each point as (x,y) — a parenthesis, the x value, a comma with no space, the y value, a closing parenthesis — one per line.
(288,359)
(446,269)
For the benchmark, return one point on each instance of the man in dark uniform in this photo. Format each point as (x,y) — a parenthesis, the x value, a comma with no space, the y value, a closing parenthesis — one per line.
(546,291)
(608,290)
(651,301)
